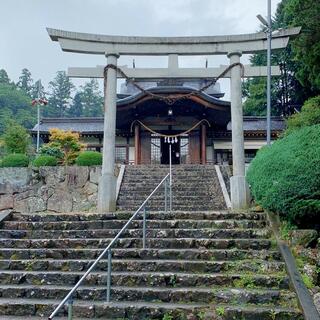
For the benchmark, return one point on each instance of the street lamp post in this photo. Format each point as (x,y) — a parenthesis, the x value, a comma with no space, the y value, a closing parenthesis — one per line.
(38,102)
(268,25)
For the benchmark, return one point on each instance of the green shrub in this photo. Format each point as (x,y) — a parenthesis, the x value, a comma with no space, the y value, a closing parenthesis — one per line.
(15,160)
(89,158)
(16,138)
(285,178)
(51,149)
(309,115)
(45,161)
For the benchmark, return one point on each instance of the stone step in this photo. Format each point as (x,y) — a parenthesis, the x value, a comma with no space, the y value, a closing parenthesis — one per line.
(181,194)
(183,191)
(185,207)
(74,216)
(169,243)
(141,279)
(202,266)
(154,294)
(117,224)
(159,199)
(144,310)
(188,254)
(136,233)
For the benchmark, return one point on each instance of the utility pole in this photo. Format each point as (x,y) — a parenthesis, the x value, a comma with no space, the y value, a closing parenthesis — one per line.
(269,37)
(38,110)
(268,24)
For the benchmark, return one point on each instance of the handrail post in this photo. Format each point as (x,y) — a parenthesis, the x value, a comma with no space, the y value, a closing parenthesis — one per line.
(70,309)
(109,275)
(144,228)
(165,196)
(170,185)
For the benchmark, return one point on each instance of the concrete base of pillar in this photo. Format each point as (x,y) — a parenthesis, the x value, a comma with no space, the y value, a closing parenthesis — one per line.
(240,193)
(107,193)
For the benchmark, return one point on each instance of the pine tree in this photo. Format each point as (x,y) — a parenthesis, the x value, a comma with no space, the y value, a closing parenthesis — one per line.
(91,98)
(295,85)
(25,81)
(37,90)
(76,107)
(60,96)
(4,78)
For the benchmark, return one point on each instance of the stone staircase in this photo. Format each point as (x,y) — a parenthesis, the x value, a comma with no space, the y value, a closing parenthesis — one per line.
(198,265)
(139,182)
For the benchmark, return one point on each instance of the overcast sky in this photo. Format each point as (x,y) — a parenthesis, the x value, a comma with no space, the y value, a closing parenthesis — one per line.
(24,42)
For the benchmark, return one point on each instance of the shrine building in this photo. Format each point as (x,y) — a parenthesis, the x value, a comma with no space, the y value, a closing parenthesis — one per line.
(197,127)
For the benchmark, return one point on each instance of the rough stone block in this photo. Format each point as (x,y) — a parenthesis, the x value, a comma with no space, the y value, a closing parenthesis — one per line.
(52,175)
(90,188)
(14,179)
(60,201)
(95,174)
(77,176)
(6,202)
(316,300)
(303,237)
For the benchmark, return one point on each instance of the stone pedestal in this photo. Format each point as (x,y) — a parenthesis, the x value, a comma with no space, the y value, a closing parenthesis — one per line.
(107,183)
(240,194)
(239,188)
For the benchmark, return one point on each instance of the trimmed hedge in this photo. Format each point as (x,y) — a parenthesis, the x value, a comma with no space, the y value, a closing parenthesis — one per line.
(285,178)
(89,158)
(45,161)
(15,160)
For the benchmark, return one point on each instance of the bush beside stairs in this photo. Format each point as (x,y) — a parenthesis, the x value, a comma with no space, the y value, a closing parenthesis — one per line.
(201,263)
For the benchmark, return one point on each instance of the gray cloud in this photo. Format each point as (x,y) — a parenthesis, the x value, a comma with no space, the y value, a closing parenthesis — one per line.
(25,43)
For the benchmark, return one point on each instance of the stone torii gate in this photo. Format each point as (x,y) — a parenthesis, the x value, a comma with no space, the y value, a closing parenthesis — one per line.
(113,46)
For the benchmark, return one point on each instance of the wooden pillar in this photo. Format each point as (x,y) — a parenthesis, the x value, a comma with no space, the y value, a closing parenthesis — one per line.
(145,147)
(194,147)
(203,144)
(136,144)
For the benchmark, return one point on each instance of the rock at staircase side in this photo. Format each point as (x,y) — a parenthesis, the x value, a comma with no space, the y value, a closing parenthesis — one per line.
(6,202)
(316,301)
(29,205)
(14,179)
(95,173)
(90,188)
(303,237)
(76,177)
(60,201)
(52,175)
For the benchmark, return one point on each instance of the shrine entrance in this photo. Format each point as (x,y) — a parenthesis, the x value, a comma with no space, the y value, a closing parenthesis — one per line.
(175,151)
(160,150)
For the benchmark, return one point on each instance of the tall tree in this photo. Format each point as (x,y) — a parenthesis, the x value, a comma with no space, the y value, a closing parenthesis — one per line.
(60,96)
(4,79)
(25,81)
(37,90)
(14,103)
(76,107)
(91,98)
(306,47)
(288,92)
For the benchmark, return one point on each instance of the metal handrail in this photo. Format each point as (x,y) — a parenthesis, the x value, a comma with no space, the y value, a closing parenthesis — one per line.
(68,298)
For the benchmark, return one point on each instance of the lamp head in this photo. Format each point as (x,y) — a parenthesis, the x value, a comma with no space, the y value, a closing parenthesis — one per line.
(263,20)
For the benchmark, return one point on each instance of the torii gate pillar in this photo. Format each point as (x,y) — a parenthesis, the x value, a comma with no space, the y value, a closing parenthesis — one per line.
(238,184)
(108,181)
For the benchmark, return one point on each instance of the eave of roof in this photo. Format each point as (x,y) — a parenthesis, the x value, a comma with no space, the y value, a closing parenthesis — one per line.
(172,90)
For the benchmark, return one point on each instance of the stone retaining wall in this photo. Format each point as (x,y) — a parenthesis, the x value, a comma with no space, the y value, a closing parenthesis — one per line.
(57,189)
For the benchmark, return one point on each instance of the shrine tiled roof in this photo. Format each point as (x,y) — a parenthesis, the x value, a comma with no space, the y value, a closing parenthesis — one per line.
(95,125)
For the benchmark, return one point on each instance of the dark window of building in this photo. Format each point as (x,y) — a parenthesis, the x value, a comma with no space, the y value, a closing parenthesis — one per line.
(155,150)
(121,154)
